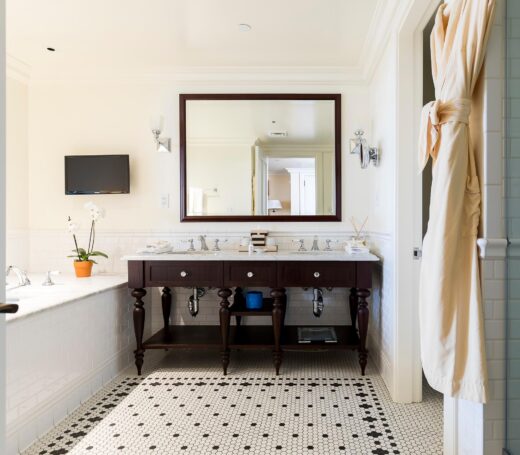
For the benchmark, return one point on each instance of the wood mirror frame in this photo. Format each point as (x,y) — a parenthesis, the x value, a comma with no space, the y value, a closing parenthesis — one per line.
(183,98)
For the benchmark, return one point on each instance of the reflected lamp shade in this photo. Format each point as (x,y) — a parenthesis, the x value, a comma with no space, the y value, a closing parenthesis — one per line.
(274,204)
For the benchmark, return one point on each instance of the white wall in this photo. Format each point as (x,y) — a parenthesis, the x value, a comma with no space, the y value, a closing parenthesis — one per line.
(382,134)
(226,168)
(113,117)
(96,117)
(17,197)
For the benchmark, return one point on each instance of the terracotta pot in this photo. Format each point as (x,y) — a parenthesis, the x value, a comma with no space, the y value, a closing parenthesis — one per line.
(83,268)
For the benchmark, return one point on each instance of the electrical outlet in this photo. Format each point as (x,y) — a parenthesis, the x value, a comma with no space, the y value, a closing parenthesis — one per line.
(165,201)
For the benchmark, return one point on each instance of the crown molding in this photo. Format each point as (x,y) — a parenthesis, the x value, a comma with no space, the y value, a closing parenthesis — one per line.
(17,69)
(217,76)
(221,141)
(387,20)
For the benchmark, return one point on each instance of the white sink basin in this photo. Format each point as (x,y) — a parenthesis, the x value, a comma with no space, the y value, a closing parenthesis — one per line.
(316,253)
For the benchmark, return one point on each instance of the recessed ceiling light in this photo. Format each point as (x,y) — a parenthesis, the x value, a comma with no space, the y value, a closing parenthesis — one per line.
(244,27)
(51,49)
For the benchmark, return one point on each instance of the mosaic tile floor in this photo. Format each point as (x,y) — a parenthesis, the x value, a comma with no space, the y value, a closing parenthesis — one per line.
(183,405)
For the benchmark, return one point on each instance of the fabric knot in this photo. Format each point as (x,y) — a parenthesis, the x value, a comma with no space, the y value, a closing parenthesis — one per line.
(434,112)
(434,115)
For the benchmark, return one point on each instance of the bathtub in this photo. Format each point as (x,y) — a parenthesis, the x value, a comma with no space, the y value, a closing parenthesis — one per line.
(64,344)
(67,288)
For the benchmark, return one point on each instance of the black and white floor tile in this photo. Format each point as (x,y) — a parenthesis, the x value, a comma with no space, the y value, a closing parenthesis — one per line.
(320,404)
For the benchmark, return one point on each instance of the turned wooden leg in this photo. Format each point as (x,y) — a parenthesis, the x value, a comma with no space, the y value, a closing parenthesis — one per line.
(353,301)
(166,299)
(284,310)
(238,302)
(138,294)
(363,314)
(224,313)
(278,296)
(238,298)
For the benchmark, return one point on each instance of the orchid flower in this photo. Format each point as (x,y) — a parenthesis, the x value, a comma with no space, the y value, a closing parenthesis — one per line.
(71,226)
(80,253)
(95,211)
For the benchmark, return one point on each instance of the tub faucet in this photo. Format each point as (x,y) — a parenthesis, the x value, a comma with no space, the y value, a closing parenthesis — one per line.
(23,279)
(203,246)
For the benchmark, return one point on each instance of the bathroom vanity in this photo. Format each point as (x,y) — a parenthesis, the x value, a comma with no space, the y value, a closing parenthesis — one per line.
(231,272)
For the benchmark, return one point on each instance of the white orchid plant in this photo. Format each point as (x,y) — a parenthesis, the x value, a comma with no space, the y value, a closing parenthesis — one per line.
(82,254)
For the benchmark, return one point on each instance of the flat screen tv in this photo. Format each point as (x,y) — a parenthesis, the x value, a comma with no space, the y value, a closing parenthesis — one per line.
(97,174)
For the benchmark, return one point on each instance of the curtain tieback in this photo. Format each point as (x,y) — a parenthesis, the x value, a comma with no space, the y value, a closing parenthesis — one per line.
(433,116)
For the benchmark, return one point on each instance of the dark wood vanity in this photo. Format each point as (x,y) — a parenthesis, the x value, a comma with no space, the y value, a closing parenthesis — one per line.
(230,277)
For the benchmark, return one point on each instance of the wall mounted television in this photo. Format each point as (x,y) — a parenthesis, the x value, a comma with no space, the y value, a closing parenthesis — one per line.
(97,174)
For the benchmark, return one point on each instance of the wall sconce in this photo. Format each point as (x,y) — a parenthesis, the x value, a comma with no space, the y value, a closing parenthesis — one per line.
(359,146)
(274,205)
(163,144)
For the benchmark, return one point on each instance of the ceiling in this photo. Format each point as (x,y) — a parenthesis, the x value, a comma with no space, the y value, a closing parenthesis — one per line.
(156,35)
(305,122)
(280,165)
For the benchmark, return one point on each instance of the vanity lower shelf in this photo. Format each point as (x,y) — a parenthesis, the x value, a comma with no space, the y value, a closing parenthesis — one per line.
(244,337)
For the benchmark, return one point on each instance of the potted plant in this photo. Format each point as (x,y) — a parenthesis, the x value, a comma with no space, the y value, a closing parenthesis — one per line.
(83,262)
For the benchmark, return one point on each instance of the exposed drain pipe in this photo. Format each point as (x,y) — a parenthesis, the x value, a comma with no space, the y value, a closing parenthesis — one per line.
(317,302)
(193,301)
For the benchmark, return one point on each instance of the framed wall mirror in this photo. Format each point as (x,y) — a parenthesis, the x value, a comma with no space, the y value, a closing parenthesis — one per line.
(260,157)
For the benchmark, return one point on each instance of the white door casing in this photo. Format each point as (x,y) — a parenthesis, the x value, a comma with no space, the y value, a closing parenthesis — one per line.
(2,229)
(260,182)
(308,193)
(408,365)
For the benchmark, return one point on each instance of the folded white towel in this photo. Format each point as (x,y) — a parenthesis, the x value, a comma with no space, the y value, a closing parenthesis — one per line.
(161,246)
(351,249)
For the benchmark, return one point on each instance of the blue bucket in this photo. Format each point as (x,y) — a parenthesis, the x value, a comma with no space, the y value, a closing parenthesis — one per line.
(254,300)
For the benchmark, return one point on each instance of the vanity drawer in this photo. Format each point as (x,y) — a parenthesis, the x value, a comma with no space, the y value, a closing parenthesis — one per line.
(183,273)
(249,273)
(317,273)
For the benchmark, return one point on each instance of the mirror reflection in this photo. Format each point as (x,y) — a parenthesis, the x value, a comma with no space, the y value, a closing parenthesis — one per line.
(260,157)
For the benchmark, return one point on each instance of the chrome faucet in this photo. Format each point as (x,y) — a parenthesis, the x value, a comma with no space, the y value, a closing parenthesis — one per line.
(23,279)
(191,247)
(48,279)
(301,247)
(203,246)
(216,247)
(315,246)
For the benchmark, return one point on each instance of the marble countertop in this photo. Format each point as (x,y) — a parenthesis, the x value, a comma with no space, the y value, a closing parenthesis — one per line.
(35,297)
(236,256)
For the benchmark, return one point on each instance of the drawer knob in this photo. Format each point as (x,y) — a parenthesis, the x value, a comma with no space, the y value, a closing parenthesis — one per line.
(250,274)
(184,274)
(316,274)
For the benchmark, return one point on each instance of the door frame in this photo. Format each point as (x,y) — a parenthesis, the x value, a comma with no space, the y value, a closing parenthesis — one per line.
(409,198)
(2,228)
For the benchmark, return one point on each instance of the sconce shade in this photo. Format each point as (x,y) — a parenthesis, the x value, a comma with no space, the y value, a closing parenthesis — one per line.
(156,123)
(273,204)
(359,146)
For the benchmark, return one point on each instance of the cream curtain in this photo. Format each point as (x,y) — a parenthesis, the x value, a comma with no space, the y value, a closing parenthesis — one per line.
(452,334)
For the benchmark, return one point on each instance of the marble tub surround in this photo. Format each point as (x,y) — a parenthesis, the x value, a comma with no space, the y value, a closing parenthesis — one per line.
(67,288)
